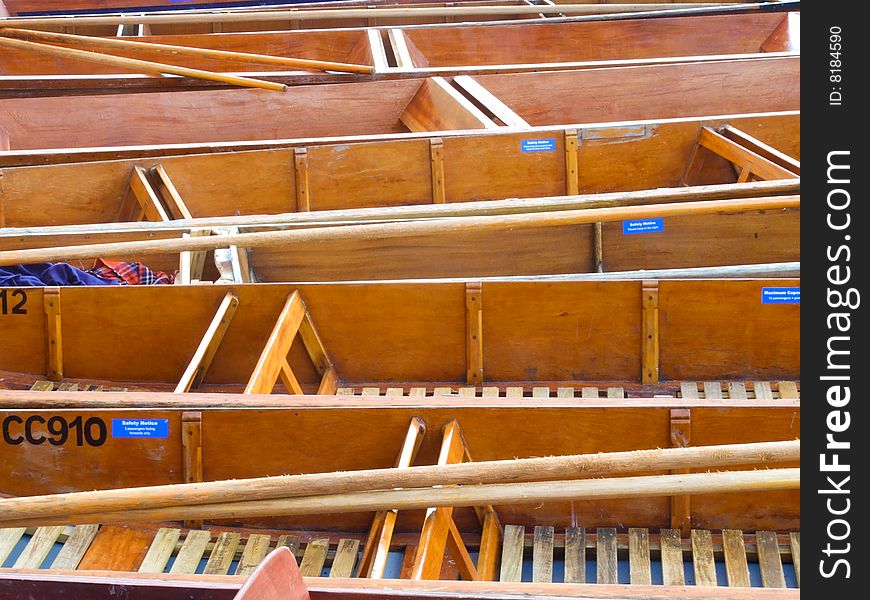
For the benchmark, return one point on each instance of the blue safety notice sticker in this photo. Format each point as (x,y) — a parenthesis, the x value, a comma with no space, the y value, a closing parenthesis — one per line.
(543,145)
(140,428)
(781,295)
(643,226)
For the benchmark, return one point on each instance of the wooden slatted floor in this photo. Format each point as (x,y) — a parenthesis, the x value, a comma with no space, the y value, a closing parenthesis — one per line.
(553,556)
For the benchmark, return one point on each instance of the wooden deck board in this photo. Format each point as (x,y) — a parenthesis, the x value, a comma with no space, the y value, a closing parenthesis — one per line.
(160,551)
(314,557)
(9,538)
(221,557)
(605,557)
(542,556)
(795,541)
(672,557)
(345,558)
(74,548)
(769,560)
(256,549)
(191,552)
(736,566)
(575,555)
(512,553)
(702,557)
(38,548)
(638,556)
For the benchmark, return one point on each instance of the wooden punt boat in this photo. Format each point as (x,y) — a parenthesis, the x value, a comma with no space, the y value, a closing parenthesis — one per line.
(389,107)
(412,52)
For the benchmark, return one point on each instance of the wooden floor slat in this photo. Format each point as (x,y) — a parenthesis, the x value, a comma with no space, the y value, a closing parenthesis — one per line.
(345,558)
(191,551)
(160,551)
(371,391)
(514,392)
(221,557)
(769,560)
(117,548)
(702,558)
(512,553)
(314,557)
(605,557)
(256,549)
(42,386)
(290,541)
(788,390)
(468,392)
(38,548)
(395,391)
(344,391)
(565,392)
(417,392)
(615,392)
(736,566)
(689,389)
(491,392)
(762,390)
(540,392)
(74,548)
(737,390)
(638,556)
(589,392)
(672,557)
(575,555)
(9,538)
(542,555)
(795,541)
(712,390)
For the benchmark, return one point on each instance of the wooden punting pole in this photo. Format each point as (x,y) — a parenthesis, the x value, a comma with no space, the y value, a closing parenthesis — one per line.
(393,230)
(138,66)
(466,495)
(181,51)
(58,506)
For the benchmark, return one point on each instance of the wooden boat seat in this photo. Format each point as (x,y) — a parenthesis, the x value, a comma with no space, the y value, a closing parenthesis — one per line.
(724,390)
(749,559)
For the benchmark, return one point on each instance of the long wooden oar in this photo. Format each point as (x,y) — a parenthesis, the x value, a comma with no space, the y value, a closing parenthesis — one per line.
(139,66)
(170,50)
(465,495)
(501,471)
(395,230)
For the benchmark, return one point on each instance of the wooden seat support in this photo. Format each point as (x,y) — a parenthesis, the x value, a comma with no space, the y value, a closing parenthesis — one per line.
(440,533)
(751,157)
(208,346)
(294,318)
(377,546)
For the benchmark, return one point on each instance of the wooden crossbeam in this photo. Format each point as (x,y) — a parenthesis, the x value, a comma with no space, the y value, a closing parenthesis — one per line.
(208,346)
(765,150)
(749,161)
(175,205)
(492,103)
(140,201)
(377,546)
(272,364)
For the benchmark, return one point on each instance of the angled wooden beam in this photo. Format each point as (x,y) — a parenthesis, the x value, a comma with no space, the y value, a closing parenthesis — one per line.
(764,150)
(208,346)
(376,549)
(742,156)
(273,358)
(438,106)
(492,103)
(140,201)
(175,205)
(408,56)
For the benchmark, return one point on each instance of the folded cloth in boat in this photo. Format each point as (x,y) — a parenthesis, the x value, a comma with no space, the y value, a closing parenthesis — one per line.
(48,274)
(126,273)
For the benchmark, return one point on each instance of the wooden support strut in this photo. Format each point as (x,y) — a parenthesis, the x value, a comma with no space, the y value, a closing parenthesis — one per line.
(140,200)
(681,437)
(303,200)
(572,156)
(436,156)
(474,332)
(208,346)
(53,333)
(373,561)
(191,443)
(650,325)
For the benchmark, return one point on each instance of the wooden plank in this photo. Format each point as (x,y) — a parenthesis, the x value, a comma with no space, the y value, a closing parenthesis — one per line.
(370,391)
(702,557)
(467,392)
(345,558)
(572,154)
(160,551)
(672,557)
(438,106)
(38,548)
(208,345)
(759,147)
(491,392)
(53,330)
(540,392)
(314,557)
(436,158)
(461,559)
(736,566)
(221,557)
(713,390)
(650,333)
(513,392)
(290,541)
(147,205)
(9,538)
(42,386)
(615,392)
(742,156)
(565,392)
(542,556)
(474,332)
(589,392)
(498,108)
(417,392)
(490,539)
(605,555)
(175,205)
(762,390)
(512,553)
(794,539)
(788,390)
(74,548)
(68,387)
(689,389)
(769,560)
(575,555)
(638,556)
(274,355)
(188,558)
(314,344)
(117,548)
(303,198)
(737,390)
